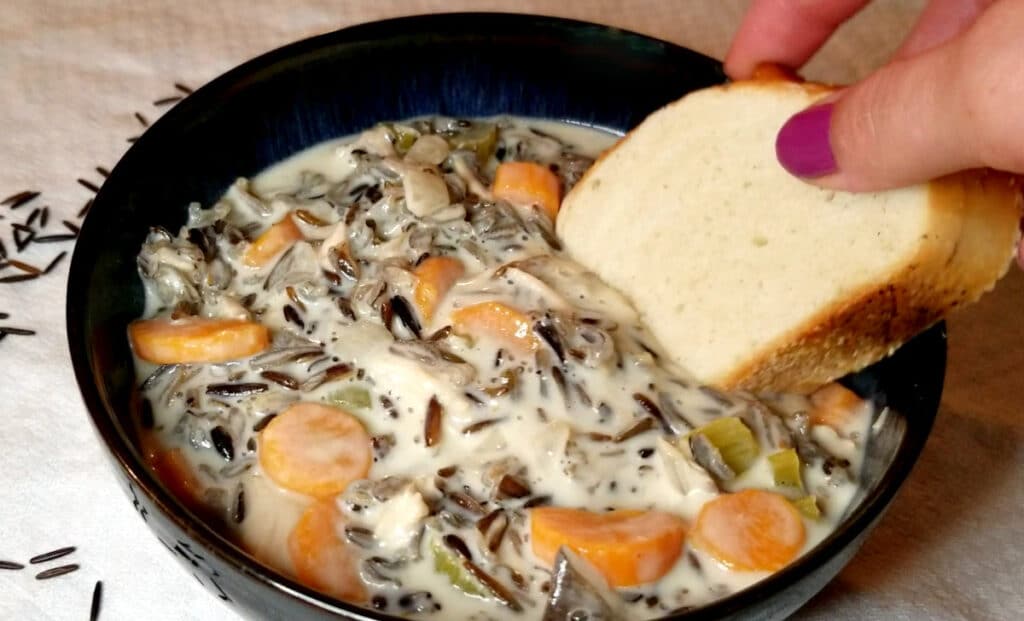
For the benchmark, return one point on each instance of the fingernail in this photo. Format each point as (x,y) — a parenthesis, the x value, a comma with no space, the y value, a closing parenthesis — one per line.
(802,145)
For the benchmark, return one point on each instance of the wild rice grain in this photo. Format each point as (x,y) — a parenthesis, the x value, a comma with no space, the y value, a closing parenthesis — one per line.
(292,315)
(236,390)
(166,101)
(11,565)
(432,425)
(25,267)
(401,309)
(52,555)
(223,443)
(141,119)
(262,423)
(97,601)
(32,217)
(184,89)
(17,200)
(54,239)
(71,227)
(18,278)
(281,379)
(103,172)
(238,511)
(55,262)
(56,571)
(85,208)
(22,238)
(16,331)
(44,217)
(88,185)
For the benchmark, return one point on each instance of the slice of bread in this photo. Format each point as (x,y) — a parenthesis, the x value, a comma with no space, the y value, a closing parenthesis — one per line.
(750,278)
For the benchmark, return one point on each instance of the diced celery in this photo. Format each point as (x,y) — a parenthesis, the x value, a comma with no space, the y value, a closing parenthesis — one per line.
(786,469)
(808,506)
(350,398)
(449,563)
(404,136)
(734,441)
(481,138)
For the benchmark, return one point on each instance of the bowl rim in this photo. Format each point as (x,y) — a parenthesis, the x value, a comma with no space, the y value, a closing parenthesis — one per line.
(116,437)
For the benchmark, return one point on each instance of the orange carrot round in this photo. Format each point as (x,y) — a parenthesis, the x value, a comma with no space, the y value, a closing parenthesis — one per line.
(527,183)
(628,547)
(275,240)
(751,530)
(833,405)
(434,277)
(322,559)
(196,339)
(315,449)
(510,326)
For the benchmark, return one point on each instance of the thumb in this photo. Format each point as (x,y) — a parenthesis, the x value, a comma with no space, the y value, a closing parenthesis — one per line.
(951,108)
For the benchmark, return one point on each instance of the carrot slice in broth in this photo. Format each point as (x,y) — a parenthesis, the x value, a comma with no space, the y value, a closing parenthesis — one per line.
(751,530)
(434,277)
(196,339)
(323,560)
(834,405)
(527,183)
(510,326)
(628,547)
(315,449)
(275,240)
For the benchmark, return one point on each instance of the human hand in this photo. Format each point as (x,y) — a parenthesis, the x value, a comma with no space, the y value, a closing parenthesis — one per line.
(952,97)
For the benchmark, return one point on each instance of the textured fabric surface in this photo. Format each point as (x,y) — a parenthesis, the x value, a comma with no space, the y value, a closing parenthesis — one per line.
(72,75)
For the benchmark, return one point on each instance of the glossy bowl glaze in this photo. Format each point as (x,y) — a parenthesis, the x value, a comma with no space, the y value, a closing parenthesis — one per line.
(339,83)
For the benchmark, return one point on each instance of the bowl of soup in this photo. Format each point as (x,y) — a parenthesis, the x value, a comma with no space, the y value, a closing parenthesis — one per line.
(324,326)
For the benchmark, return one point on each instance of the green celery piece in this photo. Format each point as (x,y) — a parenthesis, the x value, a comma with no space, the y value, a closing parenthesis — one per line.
(786,469)
(350,397)
(734,441)
(481,138)
(449,563)
(808,506)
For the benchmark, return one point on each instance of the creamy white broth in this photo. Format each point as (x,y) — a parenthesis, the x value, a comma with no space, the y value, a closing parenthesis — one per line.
(555,427)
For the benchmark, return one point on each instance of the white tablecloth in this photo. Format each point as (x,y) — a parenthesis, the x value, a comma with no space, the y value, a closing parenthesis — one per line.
(72,75)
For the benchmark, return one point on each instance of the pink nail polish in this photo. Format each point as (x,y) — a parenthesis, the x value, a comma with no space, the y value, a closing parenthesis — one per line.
(802,145)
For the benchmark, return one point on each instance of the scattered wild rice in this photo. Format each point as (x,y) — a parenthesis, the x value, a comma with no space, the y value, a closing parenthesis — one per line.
(97,601)
(17,200)
(56,571)
(52,555)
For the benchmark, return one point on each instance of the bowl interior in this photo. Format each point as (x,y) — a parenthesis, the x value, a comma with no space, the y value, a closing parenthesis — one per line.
(337,84)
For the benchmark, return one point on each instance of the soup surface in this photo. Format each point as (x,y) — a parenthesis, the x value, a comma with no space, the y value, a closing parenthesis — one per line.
(374,368)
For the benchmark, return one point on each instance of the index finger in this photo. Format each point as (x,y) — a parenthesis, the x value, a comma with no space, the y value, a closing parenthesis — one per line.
(786,32)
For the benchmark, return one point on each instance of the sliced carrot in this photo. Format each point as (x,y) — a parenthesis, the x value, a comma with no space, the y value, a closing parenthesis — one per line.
(322,559)
(196,339)
(434,277)
(751,530)
(315,449)
(508,325)
(628,547)
(275,240)
(833,405)
(526,183)
(174,471)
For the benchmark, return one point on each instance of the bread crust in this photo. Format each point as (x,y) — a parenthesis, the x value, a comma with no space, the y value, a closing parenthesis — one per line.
(975,216)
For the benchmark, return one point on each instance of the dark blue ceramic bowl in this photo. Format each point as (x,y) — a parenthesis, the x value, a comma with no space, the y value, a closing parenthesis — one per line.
(336,84)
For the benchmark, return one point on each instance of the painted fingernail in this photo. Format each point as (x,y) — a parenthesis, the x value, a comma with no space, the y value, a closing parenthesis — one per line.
(802,145)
